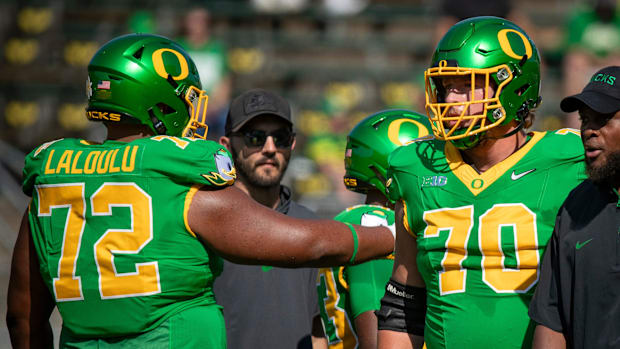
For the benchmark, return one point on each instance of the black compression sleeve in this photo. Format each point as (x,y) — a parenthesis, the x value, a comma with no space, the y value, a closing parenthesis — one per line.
(403,309)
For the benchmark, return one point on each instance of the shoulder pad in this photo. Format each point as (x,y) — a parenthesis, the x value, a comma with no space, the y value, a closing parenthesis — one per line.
(193,161)
(562,144)
(34,162)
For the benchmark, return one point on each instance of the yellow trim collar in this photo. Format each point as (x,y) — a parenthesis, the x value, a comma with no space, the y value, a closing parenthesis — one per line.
(478,182)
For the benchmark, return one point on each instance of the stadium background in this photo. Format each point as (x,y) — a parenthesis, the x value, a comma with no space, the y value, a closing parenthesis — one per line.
(336,61)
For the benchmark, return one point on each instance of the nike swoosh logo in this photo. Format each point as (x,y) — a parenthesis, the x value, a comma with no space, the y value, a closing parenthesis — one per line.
(582,244)
(515,176)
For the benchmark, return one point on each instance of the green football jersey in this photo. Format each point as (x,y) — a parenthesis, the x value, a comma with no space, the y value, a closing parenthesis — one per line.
(347,292)
(480,237)
(109,225)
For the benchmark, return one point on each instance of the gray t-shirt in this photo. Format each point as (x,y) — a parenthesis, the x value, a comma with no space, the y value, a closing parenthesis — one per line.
(269,307)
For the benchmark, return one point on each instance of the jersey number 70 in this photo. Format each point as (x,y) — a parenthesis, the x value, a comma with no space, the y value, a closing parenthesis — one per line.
(458,223)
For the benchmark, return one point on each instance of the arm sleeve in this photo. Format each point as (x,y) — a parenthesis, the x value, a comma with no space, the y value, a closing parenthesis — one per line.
(545,307)
(367,284)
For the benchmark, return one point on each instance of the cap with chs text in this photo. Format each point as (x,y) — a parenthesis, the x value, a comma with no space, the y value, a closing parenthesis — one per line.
(253,103)
(601,94)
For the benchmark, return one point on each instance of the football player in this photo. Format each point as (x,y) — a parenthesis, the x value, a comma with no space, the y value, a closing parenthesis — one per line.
(349,295)
(124,236)
(476,204)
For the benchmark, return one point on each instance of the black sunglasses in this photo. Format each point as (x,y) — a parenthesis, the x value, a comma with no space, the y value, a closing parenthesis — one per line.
(282,138)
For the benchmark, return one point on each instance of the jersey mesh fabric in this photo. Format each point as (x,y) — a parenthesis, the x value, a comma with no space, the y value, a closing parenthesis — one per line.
(121,230)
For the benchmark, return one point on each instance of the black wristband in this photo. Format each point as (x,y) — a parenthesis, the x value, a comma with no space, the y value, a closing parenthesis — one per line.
(403,309)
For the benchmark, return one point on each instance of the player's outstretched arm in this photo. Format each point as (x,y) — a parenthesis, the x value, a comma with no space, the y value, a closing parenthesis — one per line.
(29,302)
(394,331)
(546,338)
(244,231)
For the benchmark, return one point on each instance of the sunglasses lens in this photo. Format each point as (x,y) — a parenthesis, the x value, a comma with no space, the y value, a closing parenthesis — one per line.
(282,138)
(255,138)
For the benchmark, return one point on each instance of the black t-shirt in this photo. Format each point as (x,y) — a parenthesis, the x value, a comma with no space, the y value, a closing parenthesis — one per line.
(269,307)
(579,288)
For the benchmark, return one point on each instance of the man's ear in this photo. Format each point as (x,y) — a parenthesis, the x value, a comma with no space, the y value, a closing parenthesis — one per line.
(294,142)
(225,141)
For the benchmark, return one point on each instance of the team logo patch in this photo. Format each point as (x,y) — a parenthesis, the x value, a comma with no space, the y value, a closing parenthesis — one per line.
(434,181)
(226,172)
(514,176)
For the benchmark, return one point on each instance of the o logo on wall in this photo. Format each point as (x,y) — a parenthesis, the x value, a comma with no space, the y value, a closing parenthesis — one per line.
(394,130)
(502,36)
(158,63)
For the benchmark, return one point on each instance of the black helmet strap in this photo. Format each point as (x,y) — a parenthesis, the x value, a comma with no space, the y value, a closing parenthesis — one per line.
(157,124)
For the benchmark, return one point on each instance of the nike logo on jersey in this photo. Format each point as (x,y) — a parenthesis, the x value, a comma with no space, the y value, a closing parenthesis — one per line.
(515,176)
(582,244)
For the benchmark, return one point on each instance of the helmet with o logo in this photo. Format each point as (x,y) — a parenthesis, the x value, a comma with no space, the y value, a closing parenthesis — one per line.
(371,141)
(504,56)
(150,80)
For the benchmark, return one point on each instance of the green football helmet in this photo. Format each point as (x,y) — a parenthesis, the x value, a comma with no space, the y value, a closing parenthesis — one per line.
(372,140)
(493,50)
(147,79)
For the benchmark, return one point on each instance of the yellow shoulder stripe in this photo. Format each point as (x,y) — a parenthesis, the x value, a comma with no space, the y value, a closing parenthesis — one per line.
(188,201)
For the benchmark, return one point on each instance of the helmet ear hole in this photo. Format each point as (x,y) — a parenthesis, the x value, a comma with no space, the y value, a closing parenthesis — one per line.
(377,173)
(158,125)
(165,108)
(521,90)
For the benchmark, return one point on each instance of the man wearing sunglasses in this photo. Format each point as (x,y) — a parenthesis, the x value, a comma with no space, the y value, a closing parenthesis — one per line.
(265,307)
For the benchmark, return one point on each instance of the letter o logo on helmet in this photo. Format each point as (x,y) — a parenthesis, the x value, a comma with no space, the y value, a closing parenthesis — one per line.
(158,63)
(504,43)
(394,130)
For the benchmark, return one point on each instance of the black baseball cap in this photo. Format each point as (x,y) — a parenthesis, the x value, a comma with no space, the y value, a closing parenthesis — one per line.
(253,103)
(601,94)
